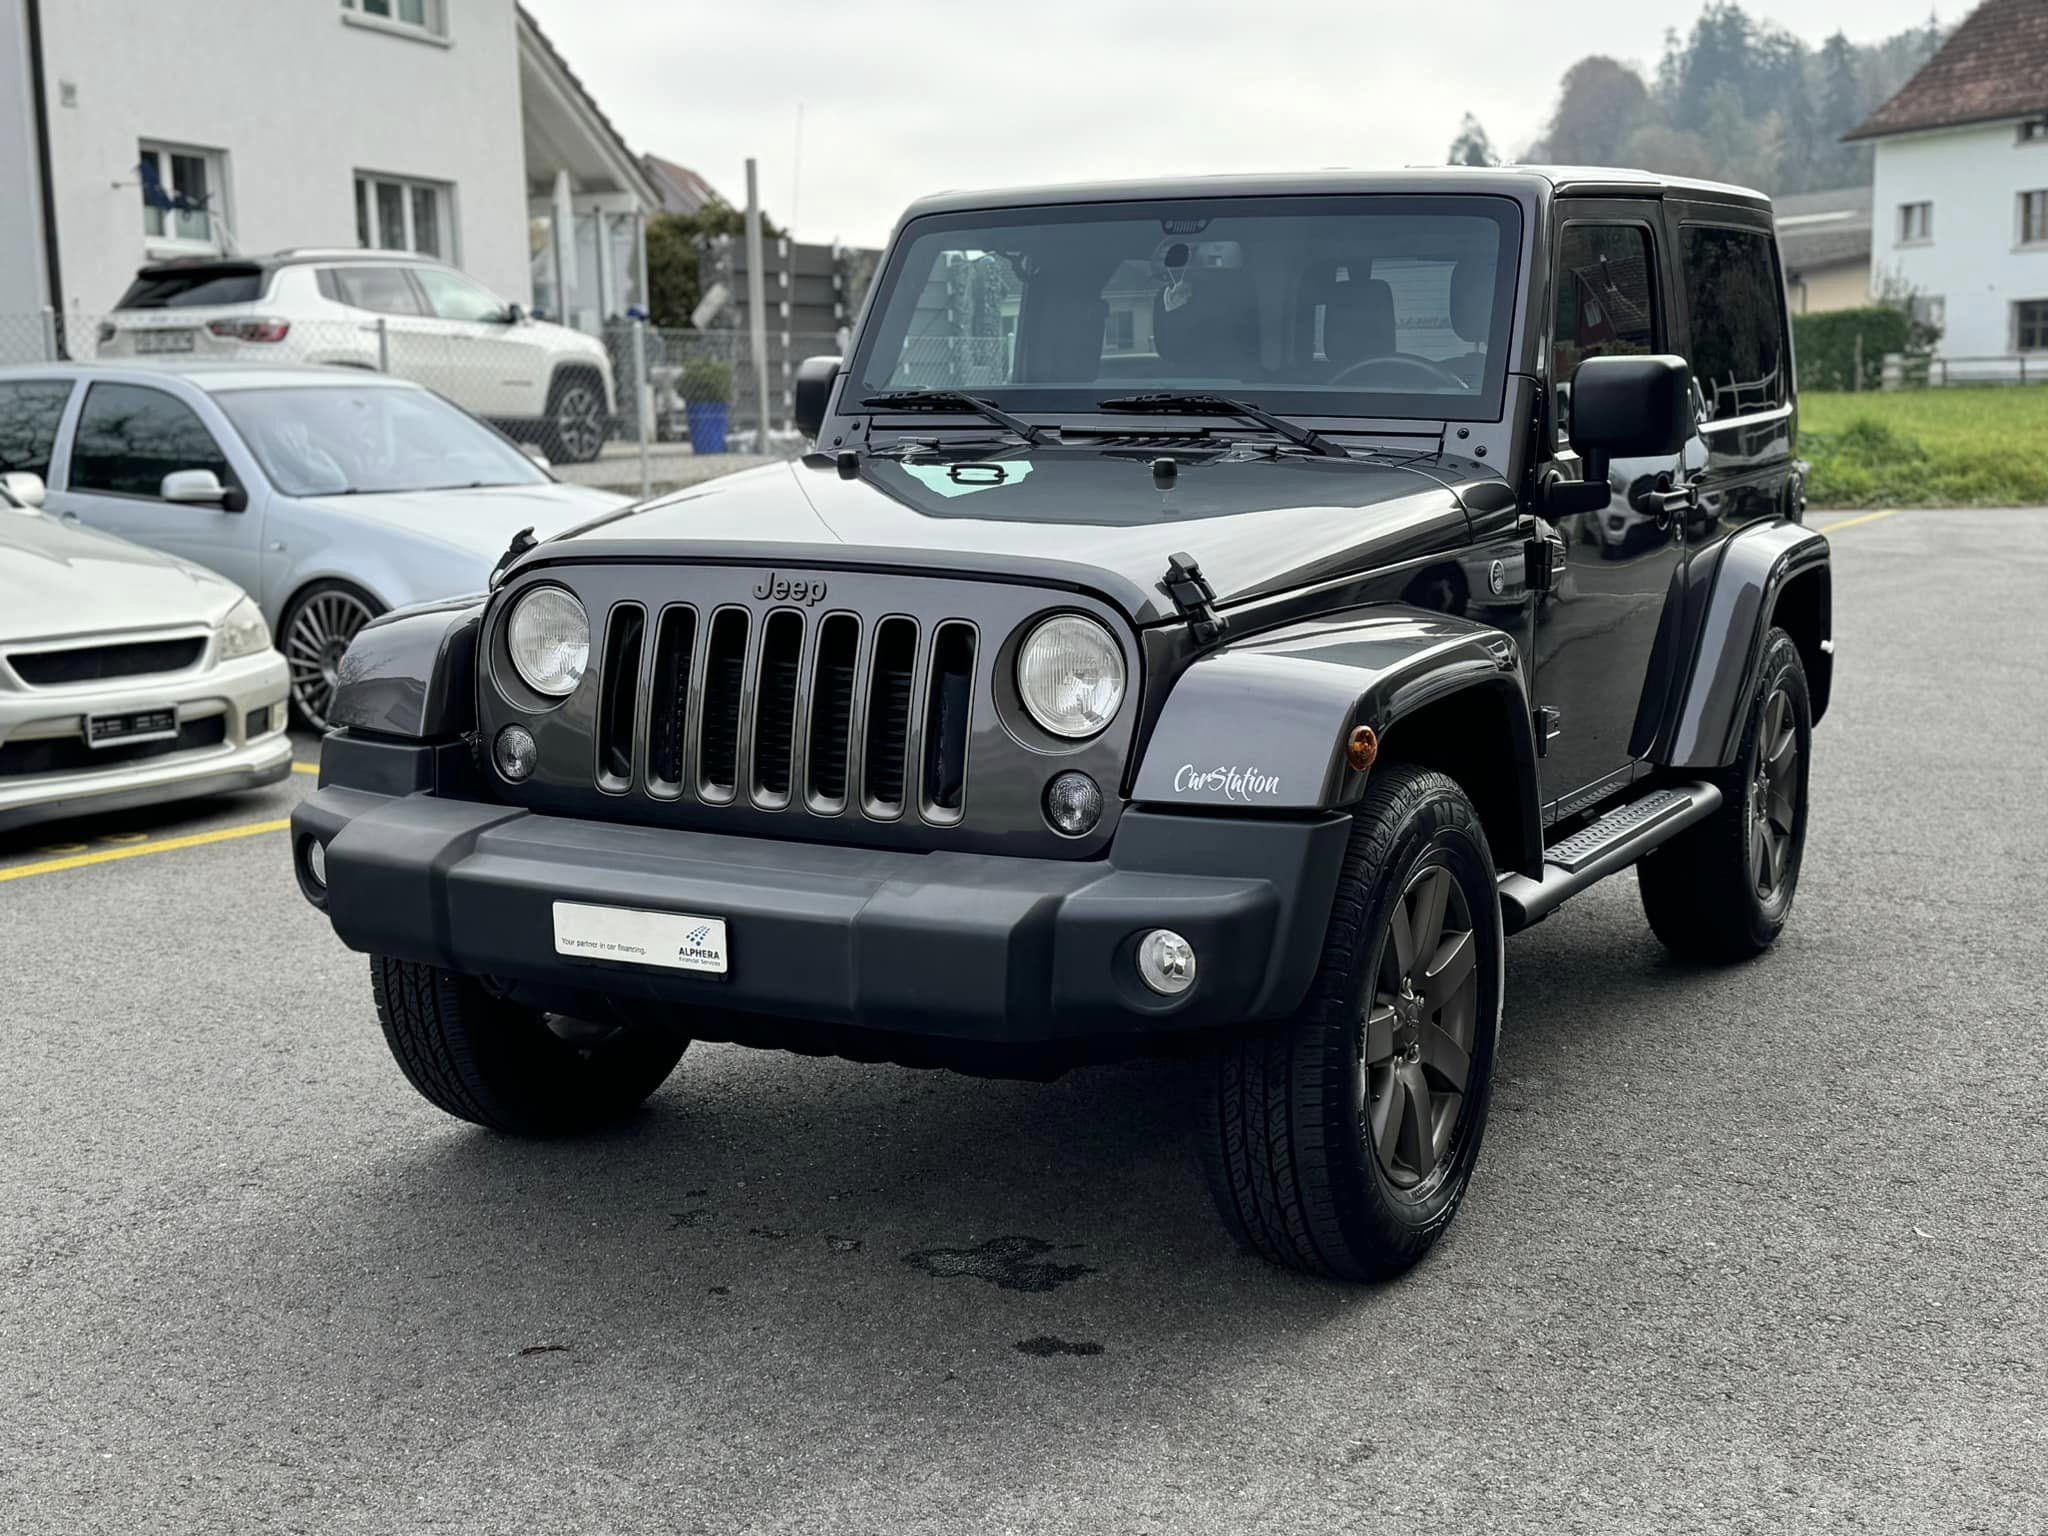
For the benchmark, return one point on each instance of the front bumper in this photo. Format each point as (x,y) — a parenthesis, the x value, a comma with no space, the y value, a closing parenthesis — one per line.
(969,947)
(241,759)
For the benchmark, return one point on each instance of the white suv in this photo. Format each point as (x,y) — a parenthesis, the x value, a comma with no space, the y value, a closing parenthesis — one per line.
(416,318)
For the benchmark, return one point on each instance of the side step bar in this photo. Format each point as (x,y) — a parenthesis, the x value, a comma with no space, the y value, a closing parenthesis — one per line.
(1613,842)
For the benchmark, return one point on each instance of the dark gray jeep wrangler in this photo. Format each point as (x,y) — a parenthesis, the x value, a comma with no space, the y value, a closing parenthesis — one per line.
(1212,617)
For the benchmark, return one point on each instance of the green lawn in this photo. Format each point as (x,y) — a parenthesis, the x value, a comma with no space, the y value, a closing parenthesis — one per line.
(1927,448)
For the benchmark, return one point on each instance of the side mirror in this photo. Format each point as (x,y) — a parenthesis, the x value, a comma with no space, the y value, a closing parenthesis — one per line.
(201,488)
(513,315)
(1629,408)
(813,396)
(24,488)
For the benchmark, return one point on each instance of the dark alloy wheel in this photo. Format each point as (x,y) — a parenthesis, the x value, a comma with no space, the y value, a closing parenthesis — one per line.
(576,420)
(1341,1141)
(1722,888)
(317,630)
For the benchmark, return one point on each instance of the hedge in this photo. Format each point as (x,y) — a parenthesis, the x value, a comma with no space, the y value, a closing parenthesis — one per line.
(1825,345)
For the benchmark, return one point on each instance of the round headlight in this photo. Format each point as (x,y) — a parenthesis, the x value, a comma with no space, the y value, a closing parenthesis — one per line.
(1071,675)
(549,639)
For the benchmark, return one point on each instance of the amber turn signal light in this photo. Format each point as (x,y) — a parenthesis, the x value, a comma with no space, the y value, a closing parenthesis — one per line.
(1362,748)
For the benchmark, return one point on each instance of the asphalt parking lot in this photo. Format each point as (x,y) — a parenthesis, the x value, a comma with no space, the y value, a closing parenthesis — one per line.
(1755,1249)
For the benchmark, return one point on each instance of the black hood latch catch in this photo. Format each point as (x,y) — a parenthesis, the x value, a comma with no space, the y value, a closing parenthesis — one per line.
(522,541)
(1193,598)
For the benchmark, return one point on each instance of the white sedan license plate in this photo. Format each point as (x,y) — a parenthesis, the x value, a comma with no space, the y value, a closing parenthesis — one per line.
(163,341)
(672,940)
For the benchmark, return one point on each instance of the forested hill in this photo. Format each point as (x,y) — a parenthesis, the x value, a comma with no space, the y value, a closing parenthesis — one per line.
(1738,99)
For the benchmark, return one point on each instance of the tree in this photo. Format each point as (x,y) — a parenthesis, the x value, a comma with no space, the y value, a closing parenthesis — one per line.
(1472,146)
(673,240)
(1601,101)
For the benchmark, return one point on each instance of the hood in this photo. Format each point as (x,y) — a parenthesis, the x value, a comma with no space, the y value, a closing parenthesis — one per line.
(481,521)
(57,580)
(1256,523)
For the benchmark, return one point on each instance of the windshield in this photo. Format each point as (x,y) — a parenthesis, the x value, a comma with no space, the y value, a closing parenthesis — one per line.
(331,441)
(1372,306)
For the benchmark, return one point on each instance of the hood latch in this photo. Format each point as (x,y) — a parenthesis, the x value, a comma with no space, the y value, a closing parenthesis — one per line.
(1193,598)
(522,541)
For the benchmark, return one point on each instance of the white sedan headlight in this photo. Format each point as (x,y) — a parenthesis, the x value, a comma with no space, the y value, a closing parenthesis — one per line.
(549,638)
(242,632)
(1070,675)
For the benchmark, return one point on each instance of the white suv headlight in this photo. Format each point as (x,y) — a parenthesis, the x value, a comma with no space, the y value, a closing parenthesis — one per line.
(1070,675)
(242,632)
(549,638)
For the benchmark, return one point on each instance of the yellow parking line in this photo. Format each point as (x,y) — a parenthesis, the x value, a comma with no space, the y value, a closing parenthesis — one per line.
(140,850)
(1857,522)
(313,768)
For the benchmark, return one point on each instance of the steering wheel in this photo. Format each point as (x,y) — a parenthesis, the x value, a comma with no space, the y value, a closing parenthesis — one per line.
(1401,360)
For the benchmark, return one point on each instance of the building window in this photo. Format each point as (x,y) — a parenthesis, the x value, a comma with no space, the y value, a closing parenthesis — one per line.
(2034,217)
(398,215)
(182,193)
(2030,325)
(1916,222)
(2034,132)
(428,16)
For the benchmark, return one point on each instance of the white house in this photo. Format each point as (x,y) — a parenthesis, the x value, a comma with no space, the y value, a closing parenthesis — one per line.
(448,127)
(1960,191)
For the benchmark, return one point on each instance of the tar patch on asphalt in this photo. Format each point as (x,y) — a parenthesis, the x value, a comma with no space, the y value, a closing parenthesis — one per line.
(1046,1345)
(1009,1263)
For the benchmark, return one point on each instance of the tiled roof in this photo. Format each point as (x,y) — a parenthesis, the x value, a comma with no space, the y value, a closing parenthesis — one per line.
(1995,65)
(1823,229)
(682,189)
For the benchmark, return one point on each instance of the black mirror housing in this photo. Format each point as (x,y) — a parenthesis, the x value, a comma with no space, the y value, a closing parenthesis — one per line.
(1630,408)
(815,377)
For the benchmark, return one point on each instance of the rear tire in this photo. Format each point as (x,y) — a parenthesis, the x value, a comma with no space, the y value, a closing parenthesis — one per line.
(495,1063)
(577,421)
(1342,1142)
(1722,889)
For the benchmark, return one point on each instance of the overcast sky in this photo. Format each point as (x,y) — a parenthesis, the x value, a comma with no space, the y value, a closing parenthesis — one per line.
(903,97)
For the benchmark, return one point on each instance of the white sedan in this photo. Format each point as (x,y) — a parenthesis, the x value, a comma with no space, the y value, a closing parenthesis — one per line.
(126,677)
(329,494)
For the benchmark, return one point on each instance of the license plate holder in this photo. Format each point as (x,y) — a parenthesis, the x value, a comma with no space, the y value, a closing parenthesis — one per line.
(127,727)
(147,342)
(673,941)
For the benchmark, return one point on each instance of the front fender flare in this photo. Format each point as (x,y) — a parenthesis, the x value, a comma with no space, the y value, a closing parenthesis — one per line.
(412,672)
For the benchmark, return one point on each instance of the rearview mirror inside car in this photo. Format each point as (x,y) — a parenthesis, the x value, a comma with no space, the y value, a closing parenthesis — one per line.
(814,378)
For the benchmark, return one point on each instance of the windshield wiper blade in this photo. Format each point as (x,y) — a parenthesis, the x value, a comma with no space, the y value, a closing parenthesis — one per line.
(1172,404)
(953,400)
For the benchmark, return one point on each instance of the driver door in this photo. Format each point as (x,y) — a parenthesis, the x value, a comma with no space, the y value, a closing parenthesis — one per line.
(1610,295)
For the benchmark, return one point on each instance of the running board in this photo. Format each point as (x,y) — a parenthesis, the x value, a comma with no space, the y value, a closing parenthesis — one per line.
(1593,853)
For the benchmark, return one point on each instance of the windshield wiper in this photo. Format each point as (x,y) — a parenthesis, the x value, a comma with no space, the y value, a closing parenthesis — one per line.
(953,400)
(1172,404)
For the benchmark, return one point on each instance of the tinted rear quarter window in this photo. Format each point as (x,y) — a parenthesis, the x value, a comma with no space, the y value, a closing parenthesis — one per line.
(1738,331)
(194,288)
(130,436)
(29,412)
(382,290)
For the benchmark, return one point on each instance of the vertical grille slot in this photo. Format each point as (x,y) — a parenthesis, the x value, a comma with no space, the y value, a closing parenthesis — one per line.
(725,673)
(945,721)
(888,739)
(618,694)
(782,647)
(831,744)
(675,639)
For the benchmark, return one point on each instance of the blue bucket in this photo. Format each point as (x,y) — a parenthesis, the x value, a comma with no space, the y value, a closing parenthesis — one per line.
(707,425)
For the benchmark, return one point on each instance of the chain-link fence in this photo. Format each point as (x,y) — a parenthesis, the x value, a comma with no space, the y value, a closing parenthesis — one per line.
(637,409)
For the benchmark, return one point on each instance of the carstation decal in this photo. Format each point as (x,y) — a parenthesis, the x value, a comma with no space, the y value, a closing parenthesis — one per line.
(1232,782)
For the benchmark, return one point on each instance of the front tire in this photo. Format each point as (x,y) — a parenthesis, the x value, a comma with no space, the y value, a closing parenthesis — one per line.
(510,1068)
(1342,1142)
(1722,889)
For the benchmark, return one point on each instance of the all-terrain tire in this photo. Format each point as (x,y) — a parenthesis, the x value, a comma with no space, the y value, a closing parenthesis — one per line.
(493,1062)
(1287,1111)
(1706,892)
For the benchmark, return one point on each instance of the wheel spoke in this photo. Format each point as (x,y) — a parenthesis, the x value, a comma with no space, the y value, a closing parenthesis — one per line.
(1379,1032)
(1427,901)
(1449,971)
(1401,929)
(1418,1124)
(1443,1055)
(1778,849)
(1388,1115)
(1781,809)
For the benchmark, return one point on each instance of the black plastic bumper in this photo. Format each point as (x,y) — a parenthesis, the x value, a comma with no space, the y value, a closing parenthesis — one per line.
(964,946)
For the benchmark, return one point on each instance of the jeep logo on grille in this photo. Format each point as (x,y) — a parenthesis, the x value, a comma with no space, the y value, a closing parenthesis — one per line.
(790,589)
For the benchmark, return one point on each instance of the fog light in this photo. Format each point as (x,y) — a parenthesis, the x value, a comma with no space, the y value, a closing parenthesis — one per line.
(279,714)
(316,862)
(1073,803)
(515,754)
(1166,962)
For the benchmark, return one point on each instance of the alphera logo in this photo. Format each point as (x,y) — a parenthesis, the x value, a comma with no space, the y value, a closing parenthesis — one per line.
(697,935)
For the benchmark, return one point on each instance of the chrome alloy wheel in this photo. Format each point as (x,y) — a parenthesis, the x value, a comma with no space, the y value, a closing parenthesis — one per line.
(1774,796)
(1420,1021)
(579,423)
(321,629)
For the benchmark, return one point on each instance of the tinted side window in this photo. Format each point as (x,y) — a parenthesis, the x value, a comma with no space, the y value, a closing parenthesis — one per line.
(1738,336)
(454,297)
(386,290)
(1605,302)
(29,413)
(130,437)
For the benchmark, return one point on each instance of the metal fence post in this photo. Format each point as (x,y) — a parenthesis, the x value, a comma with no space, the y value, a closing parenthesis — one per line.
(50,351)
(383,345)
(641,413)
